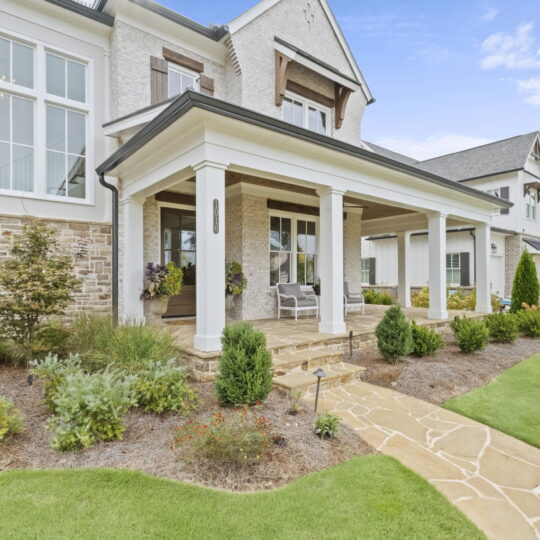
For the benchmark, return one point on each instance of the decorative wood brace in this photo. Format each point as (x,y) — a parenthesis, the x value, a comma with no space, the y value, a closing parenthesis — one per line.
(282,67)
(342,97)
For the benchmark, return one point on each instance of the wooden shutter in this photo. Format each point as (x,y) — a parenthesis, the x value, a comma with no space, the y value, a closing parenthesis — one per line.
(505,194)
(207,85)
(372,275)
(159,79)
(465,269)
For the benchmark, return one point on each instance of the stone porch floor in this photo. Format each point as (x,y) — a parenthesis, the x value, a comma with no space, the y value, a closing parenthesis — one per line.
(491,477)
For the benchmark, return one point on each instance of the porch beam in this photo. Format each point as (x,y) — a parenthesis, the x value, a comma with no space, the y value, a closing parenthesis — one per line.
(437,266)
(404,272)
(331,261)
(210,270)
(482,261)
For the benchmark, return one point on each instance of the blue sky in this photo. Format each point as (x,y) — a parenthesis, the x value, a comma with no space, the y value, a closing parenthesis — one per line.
(446,75)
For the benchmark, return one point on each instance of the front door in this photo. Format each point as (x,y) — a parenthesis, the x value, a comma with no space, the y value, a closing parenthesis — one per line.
(179,244)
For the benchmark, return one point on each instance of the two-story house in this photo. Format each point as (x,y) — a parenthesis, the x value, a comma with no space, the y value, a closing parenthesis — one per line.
(509,169)
(144,136)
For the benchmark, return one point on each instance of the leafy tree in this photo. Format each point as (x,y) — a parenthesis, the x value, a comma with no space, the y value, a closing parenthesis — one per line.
(35,283)
(525,289)
(394,335)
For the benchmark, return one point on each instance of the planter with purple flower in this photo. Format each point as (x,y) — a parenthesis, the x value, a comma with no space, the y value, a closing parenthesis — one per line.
(235,282)
(160,283)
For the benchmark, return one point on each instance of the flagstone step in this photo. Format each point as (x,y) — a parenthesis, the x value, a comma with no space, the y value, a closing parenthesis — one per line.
(306,383)
(304,360)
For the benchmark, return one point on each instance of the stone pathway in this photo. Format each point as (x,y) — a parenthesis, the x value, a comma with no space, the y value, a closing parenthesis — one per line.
(491,477)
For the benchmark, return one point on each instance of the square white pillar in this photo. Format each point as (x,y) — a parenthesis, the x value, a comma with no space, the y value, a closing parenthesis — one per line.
(132,259)
(404,273)
(210,272)
(331,261)
(482,264)
(437,266)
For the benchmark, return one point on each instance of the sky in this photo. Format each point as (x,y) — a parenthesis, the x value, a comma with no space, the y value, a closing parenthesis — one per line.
(446,75)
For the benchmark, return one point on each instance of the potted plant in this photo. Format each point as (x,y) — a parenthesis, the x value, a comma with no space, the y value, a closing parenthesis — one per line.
(317,287)
(160,282)
(235,282)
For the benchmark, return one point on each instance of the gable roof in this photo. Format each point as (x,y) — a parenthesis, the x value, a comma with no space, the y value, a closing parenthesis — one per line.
(386,152)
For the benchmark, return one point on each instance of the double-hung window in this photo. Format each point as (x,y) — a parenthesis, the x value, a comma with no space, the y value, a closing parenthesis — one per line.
(181,79)
(531,203)
(365,270)
(305,113)
(453,269)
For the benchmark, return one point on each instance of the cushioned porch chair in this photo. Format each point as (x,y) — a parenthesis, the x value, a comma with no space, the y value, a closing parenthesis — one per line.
(352,300)
(290,297)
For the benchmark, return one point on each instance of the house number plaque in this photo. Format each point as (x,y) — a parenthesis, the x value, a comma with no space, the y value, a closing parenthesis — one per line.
(216,216)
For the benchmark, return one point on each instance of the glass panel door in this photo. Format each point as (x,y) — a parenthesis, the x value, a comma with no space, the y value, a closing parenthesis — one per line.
(178,241)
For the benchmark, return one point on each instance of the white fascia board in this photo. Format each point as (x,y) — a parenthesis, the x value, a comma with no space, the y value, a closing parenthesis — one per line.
(127,127)
(249,15)
(313,66)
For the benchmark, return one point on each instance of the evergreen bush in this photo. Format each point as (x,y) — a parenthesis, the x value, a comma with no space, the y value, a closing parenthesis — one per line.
(529,322)
(425,340)
(11,421)
(503,327)
(471,335)
(394,336)
(245,375)
(525,289)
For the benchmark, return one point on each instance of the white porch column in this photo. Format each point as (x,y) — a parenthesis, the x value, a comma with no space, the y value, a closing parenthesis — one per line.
(132,259)
(482,262)
(210,273)
(437,266)
(404,273)
(331,261)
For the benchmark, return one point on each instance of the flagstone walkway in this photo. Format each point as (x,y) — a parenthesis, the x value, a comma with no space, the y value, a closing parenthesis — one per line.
(493,478)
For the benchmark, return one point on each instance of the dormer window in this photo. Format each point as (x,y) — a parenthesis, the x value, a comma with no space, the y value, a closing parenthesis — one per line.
(181,79)
(305,113)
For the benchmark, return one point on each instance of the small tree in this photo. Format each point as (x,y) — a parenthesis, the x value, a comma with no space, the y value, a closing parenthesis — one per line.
(525,289)
(35,283)
(394,336)
(245,367)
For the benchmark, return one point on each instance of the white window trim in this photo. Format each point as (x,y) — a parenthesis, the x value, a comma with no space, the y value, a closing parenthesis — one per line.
(294,248)
(458,269)
(496,192)
(527,206)
(306,104)
(41,99)
(183,71)
(362,270)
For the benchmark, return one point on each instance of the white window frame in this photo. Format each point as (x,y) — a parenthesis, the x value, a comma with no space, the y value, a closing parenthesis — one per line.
(182,71)
(495,192)
(294,247)
(453,268)
(531,194)
(307,103)
(38,94)
(364,270)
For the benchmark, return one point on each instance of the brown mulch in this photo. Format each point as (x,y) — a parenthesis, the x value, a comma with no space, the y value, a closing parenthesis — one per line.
(147,440)
(446,374)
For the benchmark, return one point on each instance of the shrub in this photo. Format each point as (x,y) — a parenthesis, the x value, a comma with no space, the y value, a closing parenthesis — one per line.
(458,300)
(245,365)
(394,337)
(503,327)
(52,337)
(525,288)
(88,408)
(327,425)
(11,353)
(162,281)
(375,297)
(421,299)
(471,335)
(241,438)
(425,341)
(163,387)
(11,421)
(529,322)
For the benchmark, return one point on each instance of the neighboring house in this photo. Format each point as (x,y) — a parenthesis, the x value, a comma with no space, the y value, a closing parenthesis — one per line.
(239,142)
(509,169)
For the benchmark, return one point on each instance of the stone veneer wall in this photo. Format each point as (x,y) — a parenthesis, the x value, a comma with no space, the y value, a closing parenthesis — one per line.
(352,241)
(513,247)
(151,231)
(88,244)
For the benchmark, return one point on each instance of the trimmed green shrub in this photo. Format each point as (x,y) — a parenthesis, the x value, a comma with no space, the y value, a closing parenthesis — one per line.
(394,336)
(375,297)
(425,341)
(471,335)
(503,327)
(88,408)
(11,420)
(245,375)
(327,426)
(525,289)
(162,387)
(529,322)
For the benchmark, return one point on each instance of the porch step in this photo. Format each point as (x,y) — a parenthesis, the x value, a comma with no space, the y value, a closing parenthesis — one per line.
(304,360)
(306,383)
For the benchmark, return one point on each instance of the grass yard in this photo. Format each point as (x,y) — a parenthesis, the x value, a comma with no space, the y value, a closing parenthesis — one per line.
(509,403)
(367,497)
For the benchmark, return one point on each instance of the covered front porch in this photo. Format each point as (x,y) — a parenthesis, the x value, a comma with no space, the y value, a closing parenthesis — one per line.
(247,178)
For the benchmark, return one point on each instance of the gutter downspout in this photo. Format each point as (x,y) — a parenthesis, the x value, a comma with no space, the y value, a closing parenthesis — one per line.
(114,191)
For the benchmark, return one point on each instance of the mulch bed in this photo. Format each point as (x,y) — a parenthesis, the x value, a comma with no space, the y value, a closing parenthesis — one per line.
(147,440)
(446,374)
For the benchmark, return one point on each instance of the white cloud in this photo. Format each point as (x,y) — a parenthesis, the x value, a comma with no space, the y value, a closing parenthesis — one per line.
(513,51)
(530,87)
(432,146)
(490,14)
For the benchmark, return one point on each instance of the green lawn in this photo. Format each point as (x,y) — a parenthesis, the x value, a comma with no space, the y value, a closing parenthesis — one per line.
(368,497)
(510,403)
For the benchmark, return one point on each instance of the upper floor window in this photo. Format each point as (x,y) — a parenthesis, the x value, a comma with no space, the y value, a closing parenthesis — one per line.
(304,113)
(16,63)
(181,79)
(531,203)
(496,193)
(66,78)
